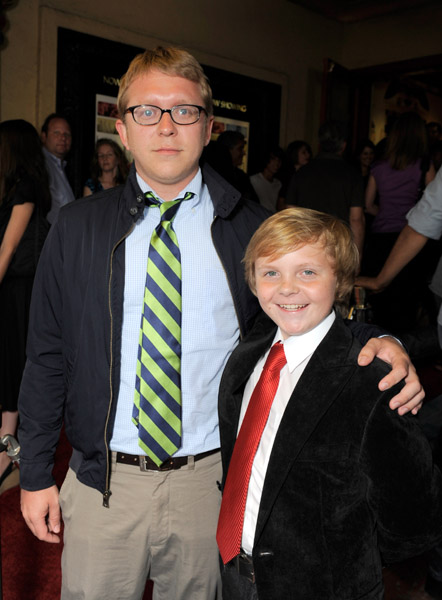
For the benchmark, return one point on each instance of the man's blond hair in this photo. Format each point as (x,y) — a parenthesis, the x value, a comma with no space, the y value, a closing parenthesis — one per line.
(295,227)
(171,61)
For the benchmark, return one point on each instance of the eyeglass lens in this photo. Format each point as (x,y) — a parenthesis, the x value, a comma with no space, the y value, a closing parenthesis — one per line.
(183,114)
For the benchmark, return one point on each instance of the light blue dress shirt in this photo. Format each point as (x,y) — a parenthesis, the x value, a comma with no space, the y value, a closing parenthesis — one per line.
(209,327)
(61,191)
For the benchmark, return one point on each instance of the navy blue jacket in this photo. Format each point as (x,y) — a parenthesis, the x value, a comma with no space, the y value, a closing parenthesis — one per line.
(74,343)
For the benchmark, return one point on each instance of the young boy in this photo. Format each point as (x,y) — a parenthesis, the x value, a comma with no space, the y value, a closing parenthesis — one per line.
(339,483)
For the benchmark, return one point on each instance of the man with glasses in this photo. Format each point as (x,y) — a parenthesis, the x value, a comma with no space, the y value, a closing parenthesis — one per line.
(140,403)
(57,139)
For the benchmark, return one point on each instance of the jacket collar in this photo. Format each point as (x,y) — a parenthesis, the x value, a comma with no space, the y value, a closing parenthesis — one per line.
(224,196)
(133,197)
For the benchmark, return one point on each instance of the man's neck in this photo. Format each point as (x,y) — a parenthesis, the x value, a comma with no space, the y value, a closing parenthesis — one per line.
(166,192)
(54,155)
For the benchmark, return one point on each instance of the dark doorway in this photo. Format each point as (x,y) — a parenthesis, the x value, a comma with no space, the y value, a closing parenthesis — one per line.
(348,94)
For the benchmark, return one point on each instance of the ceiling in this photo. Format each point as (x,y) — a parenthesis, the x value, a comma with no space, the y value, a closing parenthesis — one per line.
(352,11)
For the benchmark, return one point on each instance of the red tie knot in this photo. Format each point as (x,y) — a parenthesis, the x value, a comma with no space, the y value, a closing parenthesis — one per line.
(276,358)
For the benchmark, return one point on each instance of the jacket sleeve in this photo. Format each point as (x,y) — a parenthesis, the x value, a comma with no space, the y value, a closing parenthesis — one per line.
(405,488)
(42,392)
(364,331)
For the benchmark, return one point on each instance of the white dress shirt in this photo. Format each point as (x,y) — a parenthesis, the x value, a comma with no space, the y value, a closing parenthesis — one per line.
(298,351)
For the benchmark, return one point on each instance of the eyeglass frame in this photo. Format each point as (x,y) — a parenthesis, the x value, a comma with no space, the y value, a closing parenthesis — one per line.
(164,110)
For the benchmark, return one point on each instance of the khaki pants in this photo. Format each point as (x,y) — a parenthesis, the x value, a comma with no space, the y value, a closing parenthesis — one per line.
(160,525)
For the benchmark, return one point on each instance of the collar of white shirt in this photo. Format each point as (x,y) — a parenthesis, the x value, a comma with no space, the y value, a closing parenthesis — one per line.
(195,186)
(298,347)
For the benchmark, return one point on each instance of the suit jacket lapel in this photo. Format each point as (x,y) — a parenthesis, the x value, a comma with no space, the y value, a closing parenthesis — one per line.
(235,376)
(321,382)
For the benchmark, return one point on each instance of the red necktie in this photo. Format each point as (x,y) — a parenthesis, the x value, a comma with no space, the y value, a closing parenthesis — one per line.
(231,518)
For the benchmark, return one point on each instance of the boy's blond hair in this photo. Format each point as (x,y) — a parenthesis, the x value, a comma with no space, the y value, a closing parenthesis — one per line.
(171,61)
(295,227)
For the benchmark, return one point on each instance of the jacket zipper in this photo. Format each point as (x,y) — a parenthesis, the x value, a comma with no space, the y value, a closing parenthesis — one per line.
(107,493)
(241,332)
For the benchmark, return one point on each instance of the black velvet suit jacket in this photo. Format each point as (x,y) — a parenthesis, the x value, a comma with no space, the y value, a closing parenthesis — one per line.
(350,484)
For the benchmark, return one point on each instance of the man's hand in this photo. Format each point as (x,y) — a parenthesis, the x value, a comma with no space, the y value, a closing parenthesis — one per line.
(41,512)
(389,350)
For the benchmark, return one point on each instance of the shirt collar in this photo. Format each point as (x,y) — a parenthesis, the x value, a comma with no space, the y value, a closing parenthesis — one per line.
(195,186)
(61,163)
(298,347)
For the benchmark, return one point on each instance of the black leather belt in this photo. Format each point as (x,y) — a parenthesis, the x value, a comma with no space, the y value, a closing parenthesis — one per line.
(243,563)
(146,464)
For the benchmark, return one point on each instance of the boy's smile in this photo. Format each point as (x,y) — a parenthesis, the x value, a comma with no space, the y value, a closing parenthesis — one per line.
(296,290)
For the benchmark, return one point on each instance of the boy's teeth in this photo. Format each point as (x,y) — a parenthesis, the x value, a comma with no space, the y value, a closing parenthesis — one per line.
(292,306)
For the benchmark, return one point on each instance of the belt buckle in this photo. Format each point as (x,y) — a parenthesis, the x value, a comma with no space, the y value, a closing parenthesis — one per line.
(143,463)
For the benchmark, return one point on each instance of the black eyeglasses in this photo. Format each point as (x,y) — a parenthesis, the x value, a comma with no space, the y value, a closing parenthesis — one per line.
(182,114)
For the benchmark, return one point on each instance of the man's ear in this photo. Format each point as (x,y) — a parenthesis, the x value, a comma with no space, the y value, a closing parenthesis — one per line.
(121,128)
(43,137)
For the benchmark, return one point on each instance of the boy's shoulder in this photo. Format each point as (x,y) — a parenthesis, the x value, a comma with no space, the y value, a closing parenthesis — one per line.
(341,346)
(337,357)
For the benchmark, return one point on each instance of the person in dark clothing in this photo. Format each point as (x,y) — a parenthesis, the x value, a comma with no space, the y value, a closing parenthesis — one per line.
(235,143)
(329,184)
(24,203)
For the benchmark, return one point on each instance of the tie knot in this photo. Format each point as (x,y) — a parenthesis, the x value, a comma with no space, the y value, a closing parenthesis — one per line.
(151,199)
(276,358)
(169,209)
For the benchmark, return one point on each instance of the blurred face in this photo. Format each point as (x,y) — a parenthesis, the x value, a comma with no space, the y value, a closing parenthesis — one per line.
(274,164)
(166,154)
(366,157)
(58,139)
(297,290)
(433,132)
(303,156)
(237,153)
(107,159)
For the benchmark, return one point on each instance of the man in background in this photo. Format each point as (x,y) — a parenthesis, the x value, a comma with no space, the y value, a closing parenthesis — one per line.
(56,138)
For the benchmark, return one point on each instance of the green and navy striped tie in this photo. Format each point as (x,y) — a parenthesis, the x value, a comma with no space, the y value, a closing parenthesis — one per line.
(157,406)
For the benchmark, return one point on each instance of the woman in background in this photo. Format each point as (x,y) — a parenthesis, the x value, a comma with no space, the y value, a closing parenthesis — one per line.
(24,203)
(297,155)
(364,157)
(398,181)
(109,167)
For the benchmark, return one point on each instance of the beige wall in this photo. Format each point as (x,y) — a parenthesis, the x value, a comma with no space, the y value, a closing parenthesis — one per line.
(413,34)
(269,39)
